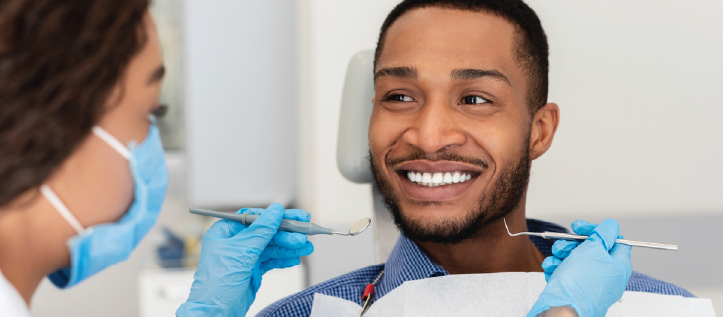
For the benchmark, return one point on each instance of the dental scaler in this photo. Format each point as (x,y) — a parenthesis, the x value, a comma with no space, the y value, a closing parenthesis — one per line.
(286,224)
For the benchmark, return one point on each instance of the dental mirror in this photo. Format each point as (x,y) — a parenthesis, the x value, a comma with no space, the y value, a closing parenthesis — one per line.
(357,228)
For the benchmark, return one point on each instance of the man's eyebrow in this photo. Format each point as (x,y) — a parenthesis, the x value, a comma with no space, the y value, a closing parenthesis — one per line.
(157,75)
(471,74)
(398,72)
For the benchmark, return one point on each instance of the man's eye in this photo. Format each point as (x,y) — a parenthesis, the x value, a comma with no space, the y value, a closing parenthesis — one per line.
(399,98)
(474,100)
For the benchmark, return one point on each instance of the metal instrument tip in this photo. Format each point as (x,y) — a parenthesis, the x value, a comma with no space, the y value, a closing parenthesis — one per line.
(517,234)
(508,228)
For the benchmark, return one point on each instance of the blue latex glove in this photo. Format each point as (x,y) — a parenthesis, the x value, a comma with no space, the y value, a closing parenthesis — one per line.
(234,257)
(588,276)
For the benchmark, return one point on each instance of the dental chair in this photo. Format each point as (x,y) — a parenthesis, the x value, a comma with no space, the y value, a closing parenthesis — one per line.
(353,145)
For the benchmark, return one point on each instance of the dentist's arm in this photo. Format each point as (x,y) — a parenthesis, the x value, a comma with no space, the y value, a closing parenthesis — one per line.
(234,257)
(585,279)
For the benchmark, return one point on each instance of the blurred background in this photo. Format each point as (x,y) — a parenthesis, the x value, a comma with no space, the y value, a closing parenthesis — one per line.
(255,87)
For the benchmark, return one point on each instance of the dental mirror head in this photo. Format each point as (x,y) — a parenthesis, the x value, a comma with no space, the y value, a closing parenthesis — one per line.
(357,228)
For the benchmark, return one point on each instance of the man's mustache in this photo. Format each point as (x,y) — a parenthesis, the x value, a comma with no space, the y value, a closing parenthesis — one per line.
(418,154)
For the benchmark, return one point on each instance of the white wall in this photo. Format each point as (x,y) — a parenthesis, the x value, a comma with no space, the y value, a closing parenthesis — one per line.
(241,85)
(639,86)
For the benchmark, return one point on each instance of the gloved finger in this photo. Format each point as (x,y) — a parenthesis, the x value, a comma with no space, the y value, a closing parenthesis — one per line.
(292,214)
(550,265)
(223,229)
(606,233)
(548,276)
(277,252)
(251,211)
(282,238)
(562,248)
(290,240)
(297,214)
(583,228)
(231,227)
(265,226)
(621,253)
(278,264)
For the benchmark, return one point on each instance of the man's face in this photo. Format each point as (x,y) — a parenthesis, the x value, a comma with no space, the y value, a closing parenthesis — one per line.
(450,107)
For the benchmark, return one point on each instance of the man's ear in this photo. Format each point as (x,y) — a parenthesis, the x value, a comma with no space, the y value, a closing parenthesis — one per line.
(544,126)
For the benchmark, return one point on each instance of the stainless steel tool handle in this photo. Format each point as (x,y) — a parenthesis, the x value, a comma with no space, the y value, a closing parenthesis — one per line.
(247,219)
(653,245)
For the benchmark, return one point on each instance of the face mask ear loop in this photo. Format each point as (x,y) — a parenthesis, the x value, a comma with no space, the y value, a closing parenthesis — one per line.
(112,141)
(61,208)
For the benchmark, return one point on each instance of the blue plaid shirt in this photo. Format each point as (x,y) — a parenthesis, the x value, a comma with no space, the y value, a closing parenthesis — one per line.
(407,262)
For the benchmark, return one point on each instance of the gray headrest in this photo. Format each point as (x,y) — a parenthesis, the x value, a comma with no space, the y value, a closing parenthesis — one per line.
(353,145)
(356,110)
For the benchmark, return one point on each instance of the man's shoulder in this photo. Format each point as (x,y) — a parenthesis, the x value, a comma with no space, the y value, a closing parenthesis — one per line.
(348,286)
(640,282)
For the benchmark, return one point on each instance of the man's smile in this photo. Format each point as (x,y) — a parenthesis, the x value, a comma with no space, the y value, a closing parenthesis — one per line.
(429,181)
(438,179)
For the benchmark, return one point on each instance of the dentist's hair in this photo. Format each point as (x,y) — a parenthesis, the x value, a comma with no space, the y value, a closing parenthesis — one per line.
(60,61)
(531,43)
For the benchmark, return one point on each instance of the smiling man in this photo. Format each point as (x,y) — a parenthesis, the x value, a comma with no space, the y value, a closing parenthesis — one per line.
(460,112)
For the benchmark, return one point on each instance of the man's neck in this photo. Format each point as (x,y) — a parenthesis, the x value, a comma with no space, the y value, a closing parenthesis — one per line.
(491,250)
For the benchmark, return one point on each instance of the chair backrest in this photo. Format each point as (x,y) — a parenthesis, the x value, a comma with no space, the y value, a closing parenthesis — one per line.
(353,144)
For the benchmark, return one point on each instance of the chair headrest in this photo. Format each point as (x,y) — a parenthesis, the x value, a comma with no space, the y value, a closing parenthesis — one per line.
(356,110)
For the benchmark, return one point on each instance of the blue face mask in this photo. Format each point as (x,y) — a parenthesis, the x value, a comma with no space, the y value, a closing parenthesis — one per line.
(101,246)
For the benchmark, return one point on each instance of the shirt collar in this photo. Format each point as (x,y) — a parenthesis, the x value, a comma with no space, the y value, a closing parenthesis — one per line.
(407,262)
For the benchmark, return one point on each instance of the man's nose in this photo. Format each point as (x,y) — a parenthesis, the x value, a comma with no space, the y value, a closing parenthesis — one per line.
(435,128)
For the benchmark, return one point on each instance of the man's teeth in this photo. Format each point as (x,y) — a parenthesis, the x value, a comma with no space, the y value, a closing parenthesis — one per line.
(438,179)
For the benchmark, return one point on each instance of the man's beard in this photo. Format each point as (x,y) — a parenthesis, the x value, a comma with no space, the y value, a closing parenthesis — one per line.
(506,195)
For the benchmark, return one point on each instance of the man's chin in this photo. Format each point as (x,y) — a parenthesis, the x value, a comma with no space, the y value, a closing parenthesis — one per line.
(430,221)
(436,212)
(443,230)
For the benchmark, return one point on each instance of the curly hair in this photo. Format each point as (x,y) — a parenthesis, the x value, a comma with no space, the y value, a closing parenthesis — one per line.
(60,61)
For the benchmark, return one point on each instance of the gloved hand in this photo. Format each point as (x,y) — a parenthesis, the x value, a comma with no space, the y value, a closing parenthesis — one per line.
(234,257)
(588,276)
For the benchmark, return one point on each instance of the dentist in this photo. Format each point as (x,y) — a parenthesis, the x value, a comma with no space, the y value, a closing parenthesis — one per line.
(82,168)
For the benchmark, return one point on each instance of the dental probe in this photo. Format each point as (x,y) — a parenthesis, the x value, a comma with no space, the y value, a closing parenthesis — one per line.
(286,224)
(566,236)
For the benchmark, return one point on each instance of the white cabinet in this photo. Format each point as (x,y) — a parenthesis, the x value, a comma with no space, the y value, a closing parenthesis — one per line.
(161,292)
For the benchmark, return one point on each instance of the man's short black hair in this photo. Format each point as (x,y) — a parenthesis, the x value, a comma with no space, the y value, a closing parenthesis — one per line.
(531,46)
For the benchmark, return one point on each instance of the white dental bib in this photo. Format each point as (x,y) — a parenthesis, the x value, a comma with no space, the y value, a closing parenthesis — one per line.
(498,294)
